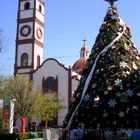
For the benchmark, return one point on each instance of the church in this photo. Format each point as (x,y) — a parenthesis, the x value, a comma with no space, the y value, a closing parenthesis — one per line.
(47,74)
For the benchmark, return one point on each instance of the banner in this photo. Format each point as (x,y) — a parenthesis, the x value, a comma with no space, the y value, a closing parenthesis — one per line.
(6,115)
(6,103)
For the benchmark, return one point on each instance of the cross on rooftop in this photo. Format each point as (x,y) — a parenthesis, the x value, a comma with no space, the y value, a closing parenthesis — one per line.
(84,40)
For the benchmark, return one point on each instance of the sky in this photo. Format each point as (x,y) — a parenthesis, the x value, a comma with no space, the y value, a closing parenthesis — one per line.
(67,23)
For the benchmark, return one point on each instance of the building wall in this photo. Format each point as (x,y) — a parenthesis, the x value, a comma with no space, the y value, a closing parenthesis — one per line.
(38,14)
(28,13)
(75,83)
(53,68)
(38,51)
(30,24)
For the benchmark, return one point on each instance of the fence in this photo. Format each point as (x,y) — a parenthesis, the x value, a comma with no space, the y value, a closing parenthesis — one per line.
(56,134)
(89,134)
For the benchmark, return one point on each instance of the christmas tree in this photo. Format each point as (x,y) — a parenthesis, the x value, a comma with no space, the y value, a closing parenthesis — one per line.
(108,94)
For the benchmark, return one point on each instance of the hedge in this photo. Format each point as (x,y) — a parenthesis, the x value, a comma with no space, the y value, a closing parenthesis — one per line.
(21,136)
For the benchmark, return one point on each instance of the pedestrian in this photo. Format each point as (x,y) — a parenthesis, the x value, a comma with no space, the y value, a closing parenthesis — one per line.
(80,133)
(73,133)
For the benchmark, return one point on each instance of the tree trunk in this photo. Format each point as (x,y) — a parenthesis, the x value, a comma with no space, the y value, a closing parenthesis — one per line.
(23,123)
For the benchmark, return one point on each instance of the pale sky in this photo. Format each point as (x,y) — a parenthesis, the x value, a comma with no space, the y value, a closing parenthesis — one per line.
(67,23)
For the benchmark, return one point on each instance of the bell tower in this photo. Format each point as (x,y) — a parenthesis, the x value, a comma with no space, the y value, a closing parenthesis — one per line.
(30,36)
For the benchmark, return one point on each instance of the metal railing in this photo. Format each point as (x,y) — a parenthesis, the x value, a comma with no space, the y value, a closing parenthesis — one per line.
(89,134)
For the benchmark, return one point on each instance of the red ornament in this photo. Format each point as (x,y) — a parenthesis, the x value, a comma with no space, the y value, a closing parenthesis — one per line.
(127,31)
(77,98)
(113,47)
(123,75)
(110,13)
(106,24)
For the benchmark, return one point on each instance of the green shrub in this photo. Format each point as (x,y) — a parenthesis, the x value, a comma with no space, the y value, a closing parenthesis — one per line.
(40,134)
(33,135)
(22,136)
(15,136)
(8,136)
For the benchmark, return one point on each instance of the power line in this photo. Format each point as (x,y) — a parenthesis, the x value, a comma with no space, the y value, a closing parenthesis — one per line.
(64,56)
(69,56)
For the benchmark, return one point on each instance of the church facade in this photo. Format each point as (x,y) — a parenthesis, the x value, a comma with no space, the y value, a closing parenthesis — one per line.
(47,74)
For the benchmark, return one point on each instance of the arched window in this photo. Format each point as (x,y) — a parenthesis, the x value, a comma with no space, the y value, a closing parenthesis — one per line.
(24,60)
(40,8)
(83,54)
(50,85)
(38,61)
(27,6)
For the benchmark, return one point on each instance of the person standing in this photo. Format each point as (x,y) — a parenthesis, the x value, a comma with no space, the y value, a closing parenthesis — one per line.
(73,134)
(80,133)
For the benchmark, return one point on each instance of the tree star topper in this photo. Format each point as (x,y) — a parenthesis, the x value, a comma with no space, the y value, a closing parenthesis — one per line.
(111,2)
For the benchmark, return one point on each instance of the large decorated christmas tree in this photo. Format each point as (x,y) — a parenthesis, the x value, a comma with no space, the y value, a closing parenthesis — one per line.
(108,94)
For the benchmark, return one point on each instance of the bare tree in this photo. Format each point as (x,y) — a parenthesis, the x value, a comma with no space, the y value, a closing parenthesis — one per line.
(4,45)
(2,42)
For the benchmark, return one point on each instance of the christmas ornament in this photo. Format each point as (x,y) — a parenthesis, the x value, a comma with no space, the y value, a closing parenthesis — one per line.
(134,66)
(110,12)
(86,98)
(129,92)
(121,114)
(123,75)
(118,82)
(127,72)
(113,47)
(124,97)
(97,98)
(137,57)
(81,125)
(105,92)
(126,47)
(118,94)
(109,88)
(123,64)
(77,98)
(112,103)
